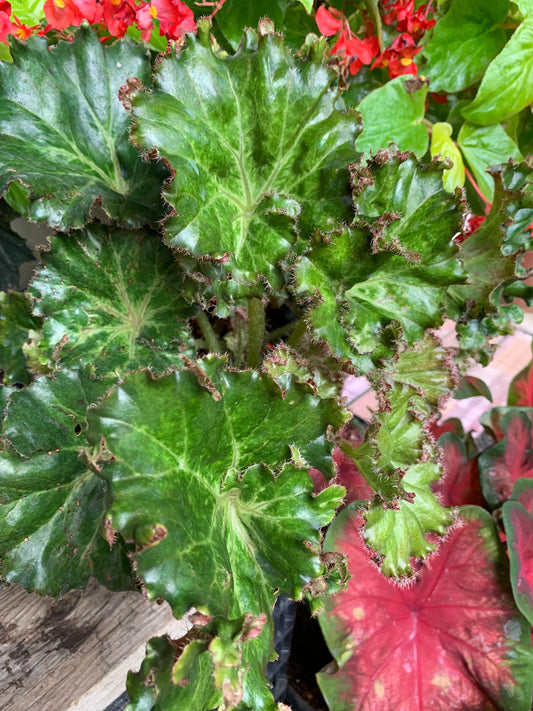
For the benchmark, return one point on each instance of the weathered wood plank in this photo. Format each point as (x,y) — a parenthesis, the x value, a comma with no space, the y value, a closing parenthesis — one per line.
(73,654)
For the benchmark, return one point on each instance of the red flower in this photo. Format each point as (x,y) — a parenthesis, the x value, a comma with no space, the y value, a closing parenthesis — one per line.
(327,24)
(118,15)
(5,24)
(175,18)
(144,18)
(398,57)
(91,10)
(356,52)
(61,14)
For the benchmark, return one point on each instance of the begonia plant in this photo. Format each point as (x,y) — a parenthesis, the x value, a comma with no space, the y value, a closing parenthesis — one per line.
(246,203)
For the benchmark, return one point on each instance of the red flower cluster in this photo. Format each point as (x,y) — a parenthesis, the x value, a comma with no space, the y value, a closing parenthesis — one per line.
(354,51)
(175,18)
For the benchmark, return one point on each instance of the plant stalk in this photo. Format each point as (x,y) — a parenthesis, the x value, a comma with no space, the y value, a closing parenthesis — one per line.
(256,331)
(213,344)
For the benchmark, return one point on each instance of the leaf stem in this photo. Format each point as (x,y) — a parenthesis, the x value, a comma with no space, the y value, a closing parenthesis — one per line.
(299,331)
(476,186)
(256,331)
(213,344)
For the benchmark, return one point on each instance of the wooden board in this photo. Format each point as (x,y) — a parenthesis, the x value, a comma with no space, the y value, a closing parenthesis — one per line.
(73,654)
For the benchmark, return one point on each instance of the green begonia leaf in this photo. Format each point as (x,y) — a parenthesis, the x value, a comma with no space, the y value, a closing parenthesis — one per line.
(443,146)
(484,146)
(393,267)
(393,114)
(213,448)
(16,323)
(64,132)
(234,15)
(464,42)
(506,87)
(52,506)
(111,299)
(258,152)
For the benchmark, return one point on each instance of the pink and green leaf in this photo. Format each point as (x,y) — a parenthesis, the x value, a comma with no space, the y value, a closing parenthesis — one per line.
(521,388)
(452,639)
(460,483)
(518,521)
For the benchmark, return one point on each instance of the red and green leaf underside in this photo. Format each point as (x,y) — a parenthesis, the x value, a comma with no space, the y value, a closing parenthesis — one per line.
(452,640)
(518,521)
(460,484)
(521,388)
(509,460)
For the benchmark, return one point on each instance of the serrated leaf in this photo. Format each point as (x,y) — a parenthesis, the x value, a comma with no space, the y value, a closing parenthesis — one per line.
(483,146)
(111,299)
(212,449)
(517,515)
(464,42)
(52,506)
(506,87)
(393,267)
(509,460)
(453,638)
(391,114)
(443,146)
(64,132)
(258,150)
(16,324)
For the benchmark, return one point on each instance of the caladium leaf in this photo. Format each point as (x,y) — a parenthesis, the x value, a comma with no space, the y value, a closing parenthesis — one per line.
(521,388)
(452,639)
(517,517)
(64,132)
(213,444)
(16,323)
(469,386)
(257,149)
(52,506)
(509,460)
(111,299)
(492,420)
(464,42)
(460,484)
(393,268)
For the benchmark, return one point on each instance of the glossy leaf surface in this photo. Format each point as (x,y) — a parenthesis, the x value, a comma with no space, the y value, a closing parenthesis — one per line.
(511,459)
(517,517)
(258,149)
(453,639)
(52,506)
(64,132)
(16,323)
(212,446)
(13,253)
(464,42)
(111,299)
(391,114)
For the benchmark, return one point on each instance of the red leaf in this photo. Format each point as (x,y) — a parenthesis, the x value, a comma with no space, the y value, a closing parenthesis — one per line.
(453,424)
(347,473)
(517,517)
(521,388)
(460,484)
(452,640)
(509,460)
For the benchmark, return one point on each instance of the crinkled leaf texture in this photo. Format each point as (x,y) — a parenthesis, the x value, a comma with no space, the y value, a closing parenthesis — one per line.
(111,299)
(452,639)
(505,463)
(393,267)
(64,132)
(517,517)
(258,153)
(203,482)
(52,505)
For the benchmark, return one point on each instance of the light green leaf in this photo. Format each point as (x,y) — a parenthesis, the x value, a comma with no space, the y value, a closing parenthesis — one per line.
(484,146)
(442,145)
(525,6)
(391,114)
(52,506)
(111,299)
(464,42)
(308,4)
(30,12)
(258,150)
(506,87)
(64,132)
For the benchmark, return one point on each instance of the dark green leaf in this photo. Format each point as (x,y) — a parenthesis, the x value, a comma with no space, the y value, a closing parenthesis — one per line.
(391,114)
(64,132)
(16,325)
(13,253)
(464,42)
(52,506)
(258,149)
(506,87)
(111,299)
(471,387)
